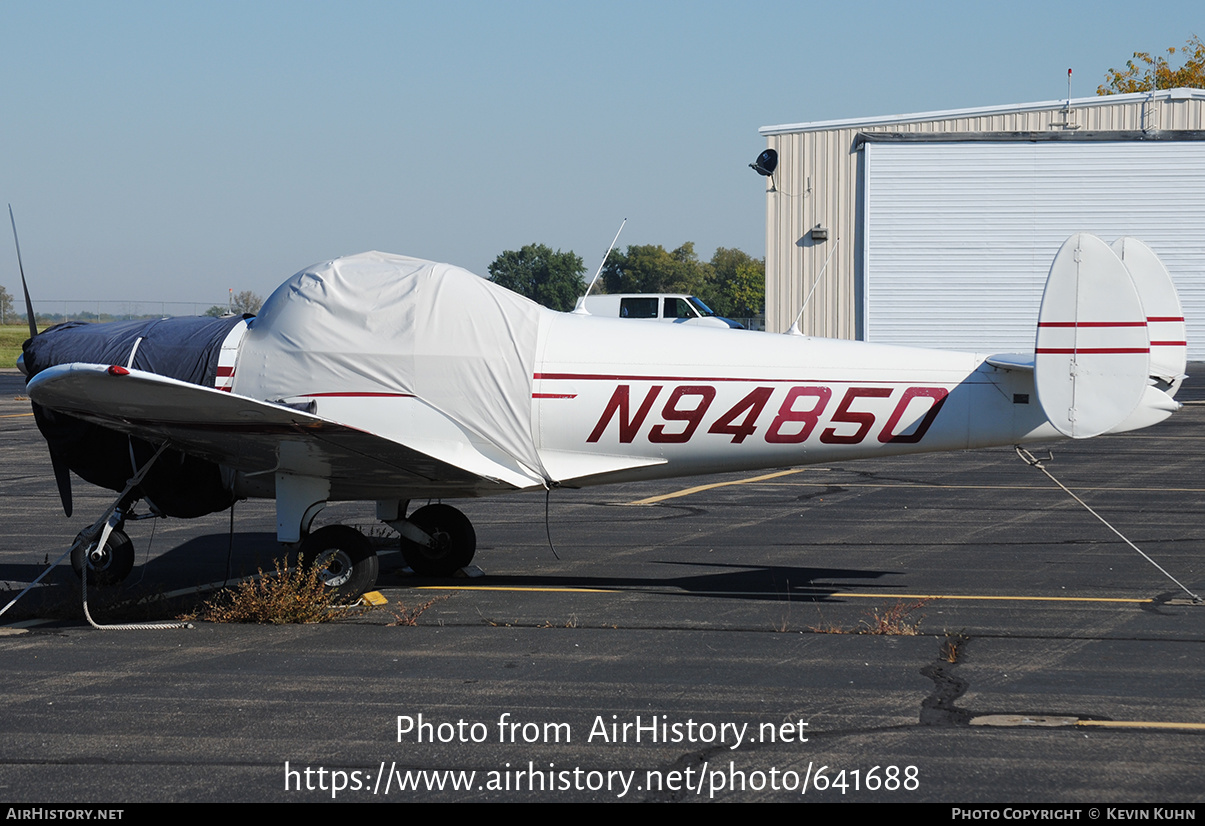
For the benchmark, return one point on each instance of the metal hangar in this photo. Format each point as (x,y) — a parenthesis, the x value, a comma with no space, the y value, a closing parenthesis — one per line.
(938,228)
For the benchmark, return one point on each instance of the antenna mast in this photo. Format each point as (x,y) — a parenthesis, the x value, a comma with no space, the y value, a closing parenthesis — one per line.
(581,302)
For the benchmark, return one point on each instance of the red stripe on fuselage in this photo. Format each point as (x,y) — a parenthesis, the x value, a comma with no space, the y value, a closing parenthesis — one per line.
(696,379)
(1092,323)
(1093,350)
(364,394)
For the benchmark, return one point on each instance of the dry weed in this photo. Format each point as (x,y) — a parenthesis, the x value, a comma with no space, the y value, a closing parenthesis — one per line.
(893,622)
(294,594)
(409,616)
(951,647)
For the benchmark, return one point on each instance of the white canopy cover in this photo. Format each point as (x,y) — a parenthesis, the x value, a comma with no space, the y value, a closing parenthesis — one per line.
(378,324)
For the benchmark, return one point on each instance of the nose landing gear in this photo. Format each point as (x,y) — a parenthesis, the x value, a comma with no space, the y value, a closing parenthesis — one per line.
(107,565)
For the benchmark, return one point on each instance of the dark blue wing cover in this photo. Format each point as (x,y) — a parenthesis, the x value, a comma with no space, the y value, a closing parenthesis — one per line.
(184,348)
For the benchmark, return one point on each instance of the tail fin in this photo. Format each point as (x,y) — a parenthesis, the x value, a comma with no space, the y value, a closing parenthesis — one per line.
(1092,355)
(1164,315)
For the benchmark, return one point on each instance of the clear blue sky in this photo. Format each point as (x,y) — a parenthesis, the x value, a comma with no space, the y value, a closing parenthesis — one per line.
(168,151)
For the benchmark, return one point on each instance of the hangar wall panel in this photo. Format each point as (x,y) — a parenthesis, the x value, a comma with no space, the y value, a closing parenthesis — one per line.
(958,238)
(819,181)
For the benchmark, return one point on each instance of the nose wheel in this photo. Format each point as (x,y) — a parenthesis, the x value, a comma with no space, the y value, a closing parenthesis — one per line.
(109,565)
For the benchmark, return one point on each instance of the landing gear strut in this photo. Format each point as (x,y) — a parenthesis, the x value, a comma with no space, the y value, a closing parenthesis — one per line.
(112,562)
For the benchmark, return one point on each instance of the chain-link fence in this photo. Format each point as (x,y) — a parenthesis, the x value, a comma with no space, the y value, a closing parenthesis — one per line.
(53,312)
(755,323)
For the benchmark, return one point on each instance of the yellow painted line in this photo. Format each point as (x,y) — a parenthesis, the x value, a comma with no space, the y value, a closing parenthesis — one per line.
(700,488)
(952,487)
(15,415)
(689,491)
(995,598)
(1139,724)
(506,588)
(880,597)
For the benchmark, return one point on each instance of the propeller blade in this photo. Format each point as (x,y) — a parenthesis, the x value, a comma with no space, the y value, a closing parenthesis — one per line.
(62,478)
(33,324)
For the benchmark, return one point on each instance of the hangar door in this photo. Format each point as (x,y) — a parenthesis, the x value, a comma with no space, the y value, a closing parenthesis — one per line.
(958,237)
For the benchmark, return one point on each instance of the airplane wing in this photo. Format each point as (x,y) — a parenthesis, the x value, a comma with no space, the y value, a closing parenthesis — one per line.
(253,436)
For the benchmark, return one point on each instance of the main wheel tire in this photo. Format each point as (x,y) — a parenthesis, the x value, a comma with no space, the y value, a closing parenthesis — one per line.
(109,566)
(455,541)
(351,563)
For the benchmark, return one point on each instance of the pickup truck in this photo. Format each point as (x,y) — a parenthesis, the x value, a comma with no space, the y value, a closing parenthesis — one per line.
(667,307)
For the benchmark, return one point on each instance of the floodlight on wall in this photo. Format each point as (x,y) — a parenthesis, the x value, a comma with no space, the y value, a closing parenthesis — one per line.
(819,233)
(766,163)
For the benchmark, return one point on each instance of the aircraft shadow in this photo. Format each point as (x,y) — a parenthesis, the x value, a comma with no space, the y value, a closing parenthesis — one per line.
(202,560)
(725,581)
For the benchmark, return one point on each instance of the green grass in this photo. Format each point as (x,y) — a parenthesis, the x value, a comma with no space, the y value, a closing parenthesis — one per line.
(12,336)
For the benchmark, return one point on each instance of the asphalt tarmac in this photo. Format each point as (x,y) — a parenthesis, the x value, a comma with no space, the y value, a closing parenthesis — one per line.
(697,639)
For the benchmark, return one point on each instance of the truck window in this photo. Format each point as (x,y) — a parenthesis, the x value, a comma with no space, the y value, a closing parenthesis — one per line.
(679,308)
(641,307)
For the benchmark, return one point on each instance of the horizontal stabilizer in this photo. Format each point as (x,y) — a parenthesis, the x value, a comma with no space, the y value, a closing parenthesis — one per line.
(1012,361)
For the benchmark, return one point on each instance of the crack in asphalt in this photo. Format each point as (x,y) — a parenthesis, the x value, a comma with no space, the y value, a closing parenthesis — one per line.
(939,709)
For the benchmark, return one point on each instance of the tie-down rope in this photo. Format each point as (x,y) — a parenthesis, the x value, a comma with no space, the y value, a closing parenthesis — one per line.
(1031,460)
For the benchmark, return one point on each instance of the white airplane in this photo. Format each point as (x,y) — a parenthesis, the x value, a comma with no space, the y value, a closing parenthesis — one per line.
(390,379)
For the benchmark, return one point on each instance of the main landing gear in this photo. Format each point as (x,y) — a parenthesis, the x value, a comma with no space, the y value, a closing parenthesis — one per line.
(351,565)
(436,541)
(443,543)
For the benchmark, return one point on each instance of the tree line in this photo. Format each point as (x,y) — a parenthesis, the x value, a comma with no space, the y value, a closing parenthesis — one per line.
(732,283)
(1147,72)
(243,302)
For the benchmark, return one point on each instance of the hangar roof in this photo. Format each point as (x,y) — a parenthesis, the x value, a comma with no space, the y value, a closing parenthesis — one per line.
(1075,103)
